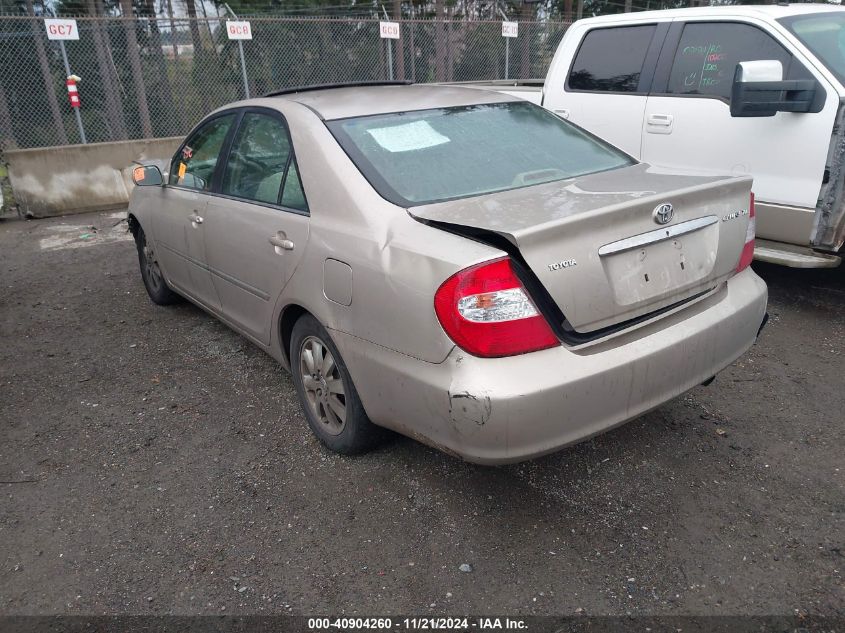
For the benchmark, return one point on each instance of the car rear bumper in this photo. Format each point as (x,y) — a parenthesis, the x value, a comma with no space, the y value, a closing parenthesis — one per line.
(503,410)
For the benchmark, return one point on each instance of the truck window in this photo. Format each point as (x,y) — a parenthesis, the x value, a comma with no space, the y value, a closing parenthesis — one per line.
(824,35)
(708,53)
(611,59)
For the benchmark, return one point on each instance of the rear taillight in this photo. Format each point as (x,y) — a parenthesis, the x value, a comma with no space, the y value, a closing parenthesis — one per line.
(487,312)
(748,249)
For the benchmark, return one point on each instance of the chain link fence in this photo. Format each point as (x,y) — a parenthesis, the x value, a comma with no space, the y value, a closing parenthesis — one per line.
(146,77)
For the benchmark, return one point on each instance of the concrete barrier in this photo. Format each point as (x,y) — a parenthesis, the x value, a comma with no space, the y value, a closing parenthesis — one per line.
(53,181)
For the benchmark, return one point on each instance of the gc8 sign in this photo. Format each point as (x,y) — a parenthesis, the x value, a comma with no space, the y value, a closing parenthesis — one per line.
(61,29)
(388,30)
(238,30)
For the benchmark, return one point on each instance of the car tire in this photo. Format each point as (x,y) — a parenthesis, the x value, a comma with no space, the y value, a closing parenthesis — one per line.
(154,282)
(326,391)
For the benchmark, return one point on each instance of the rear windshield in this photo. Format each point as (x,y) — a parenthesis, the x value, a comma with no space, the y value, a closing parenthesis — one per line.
(824,35)
(425,156)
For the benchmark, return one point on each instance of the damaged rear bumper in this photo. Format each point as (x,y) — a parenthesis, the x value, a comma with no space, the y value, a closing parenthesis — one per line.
(503,410)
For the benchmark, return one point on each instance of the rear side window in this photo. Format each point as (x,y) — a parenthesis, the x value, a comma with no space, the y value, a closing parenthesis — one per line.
(258,159)
(293,196)
(708,53)
(261,165)
(194,164)
(611,60)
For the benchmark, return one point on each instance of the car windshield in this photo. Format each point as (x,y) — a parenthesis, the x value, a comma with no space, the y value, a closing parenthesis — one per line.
(425,156)
(824,35)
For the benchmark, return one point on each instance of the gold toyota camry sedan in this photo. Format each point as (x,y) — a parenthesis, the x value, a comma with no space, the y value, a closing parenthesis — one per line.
(455,264)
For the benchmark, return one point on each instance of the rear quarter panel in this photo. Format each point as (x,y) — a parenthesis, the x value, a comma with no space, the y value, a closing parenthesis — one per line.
(397,263)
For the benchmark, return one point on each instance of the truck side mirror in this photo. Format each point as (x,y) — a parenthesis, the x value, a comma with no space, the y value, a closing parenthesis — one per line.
(760,90)
(147,176)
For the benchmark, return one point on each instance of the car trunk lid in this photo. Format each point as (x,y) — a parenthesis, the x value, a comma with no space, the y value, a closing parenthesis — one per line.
(595,246)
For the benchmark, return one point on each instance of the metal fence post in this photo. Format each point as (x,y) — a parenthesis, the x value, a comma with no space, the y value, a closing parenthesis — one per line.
(389,46)
(241,52)
(507,55)
(75,110)
(243,68)
(413,56)
(507,47)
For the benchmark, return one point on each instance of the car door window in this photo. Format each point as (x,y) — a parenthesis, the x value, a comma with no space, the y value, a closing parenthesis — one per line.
(194,164)
(708,52)
(611,60)
(258,160)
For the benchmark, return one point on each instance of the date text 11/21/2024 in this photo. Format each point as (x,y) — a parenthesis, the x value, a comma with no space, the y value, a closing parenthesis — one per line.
(417,624)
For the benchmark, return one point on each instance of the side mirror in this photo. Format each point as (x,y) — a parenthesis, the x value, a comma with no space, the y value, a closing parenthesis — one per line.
(760,90)
(147,176)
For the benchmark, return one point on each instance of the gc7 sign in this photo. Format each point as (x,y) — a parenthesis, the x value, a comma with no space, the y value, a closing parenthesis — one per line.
(61,29)
(238,30)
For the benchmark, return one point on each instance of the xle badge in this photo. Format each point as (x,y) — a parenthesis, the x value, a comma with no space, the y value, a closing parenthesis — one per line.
(735,215)
(566,263)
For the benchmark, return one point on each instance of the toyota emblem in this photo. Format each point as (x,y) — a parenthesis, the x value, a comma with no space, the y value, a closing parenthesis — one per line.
(663,213)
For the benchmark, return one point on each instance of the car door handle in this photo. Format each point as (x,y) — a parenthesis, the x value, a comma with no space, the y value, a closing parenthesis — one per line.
(564,114)
(281,242)
(195,218)
(659,124)
(663,120)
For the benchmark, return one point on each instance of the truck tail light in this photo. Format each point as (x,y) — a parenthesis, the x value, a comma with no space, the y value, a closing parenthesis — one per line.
(748,249)
(486,310)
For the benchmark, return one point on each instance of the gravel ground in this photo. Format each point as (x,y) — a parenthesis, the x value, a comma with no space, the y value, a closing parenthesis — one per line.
(152,461)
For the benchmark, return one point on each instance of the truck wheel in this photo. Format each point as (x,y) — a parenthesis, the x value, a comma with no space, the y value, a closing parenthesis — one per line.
(154,282)
(328,398)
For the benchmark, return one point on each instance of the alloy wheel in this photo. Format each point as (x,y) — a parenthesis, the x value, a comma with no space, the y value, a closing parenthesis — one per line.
(151,269)
(323,385)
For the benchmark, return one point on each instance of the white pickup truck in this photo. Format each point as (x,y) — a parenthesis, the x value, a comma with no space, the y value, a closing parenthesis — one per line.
(736,89)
